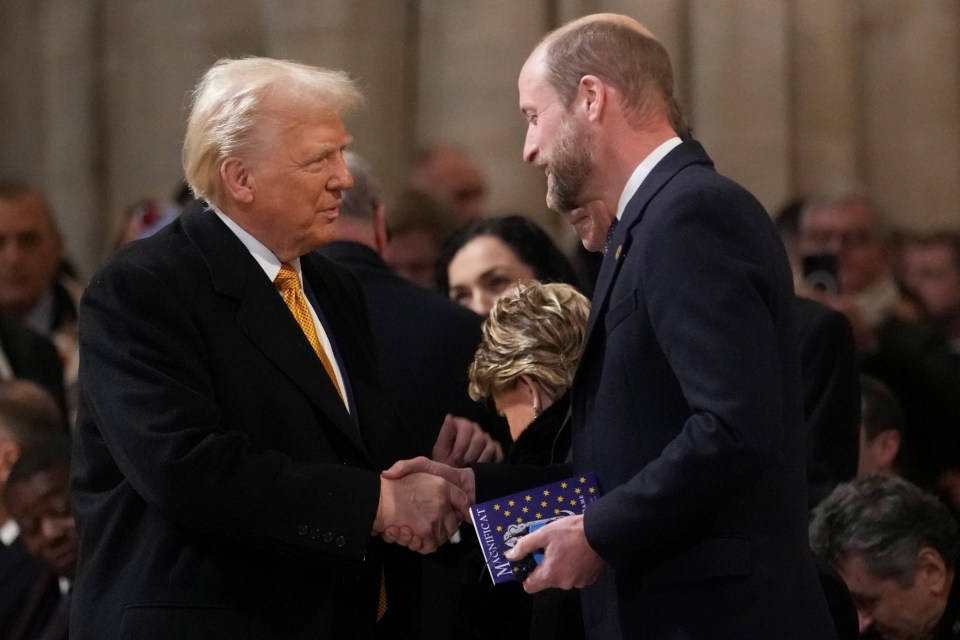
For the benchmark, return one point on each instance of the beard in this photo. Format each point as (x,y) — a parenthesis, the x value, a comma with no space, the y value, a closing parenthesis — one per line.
(571,165)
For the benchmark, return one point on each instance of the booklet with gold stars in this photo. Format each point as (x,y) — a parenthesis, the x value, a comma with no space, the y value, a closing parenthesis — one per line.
(500,523)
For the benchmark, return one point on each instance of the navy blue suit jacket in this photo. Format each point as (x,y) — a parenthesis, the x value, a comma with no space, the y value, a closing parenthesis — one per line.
(687,406)
(220,487)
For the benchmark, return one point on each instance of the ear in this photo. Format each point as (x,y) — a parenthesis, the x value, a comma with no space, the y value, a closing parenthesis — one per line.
(380,229)
(592,97)
(531,389)
(9,454)
(237,180)
(932,572)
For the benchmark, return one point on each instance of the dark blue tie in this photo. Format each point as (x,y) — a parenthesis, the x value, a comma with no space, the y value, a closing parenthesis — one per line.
(613,227)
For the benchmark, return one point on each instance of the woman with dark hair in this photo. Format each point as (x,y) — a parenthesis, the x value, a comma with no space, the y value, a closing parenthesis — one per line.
(482,259)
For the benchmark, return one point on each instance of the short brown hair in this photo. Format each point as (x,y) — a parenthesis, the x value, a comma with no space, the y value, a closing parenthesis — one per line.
(634,63)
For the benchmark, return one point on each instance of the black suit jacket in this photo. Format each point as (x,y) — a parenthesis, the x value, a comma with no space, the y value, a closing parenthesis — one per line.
(831,397)
(221,489)
(425,344)
(32,357)
(27,592)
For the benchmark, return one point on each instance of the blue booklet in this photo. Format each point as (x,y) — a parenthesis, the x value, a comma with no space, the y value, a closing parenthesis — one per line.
(500,523)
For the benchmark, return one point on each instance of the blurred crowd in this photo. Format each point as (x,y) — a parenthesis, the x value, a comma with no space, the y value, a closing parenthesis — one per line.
(879,333)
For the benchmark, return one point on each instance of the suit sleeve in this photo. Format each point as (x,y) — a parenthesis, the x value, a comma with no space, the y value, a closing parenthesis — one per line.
(148,390)
(703,271)
(831,400)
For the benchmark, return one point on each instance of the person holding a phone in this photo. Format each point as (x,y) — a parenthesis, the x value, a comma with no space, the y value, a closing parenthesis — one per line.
(892,344)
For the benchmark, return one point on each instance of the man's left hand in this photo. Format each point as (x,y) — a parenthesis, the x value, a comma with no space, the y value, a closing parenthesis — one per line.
(462,442)
(568,559)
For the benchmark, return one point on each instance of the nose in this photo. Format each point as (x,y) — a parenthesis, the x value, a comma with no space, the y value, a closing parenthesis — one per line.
(51,529)
(530,148)
(480,303)
(341,179)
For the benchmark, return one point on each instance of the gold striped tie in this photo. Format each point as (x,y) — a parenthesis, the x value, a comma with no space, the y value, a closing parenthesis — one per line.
(382,602)
(288,283)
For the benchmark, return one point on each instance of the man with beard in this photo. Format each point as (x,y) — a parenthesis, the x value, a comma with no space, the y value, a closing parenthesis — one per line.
(687,401)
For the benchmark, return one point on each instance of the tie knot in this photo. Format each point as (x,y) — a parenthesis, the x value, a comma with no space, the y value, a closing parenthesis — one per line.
(287,279)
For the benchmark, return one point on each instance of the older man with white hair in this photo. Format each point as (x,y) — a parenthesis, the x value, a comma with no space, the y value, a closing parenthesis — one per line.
(231,427)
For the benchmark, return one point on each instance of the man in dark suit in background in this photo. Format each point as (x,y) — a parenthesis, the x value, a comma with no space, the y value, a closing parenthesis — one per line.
(34,288)
(232,425)
(27,355)
(687,401)
(425,344)
(831,397)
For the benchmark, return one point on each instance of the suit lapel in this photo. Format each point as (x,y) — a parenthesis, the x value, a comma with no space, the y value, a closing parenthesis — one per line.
(264,318)
(683,155)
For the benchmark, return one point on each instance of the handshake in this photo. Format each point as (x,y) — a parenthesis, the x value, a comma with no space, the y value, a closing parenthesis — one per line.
(424,500)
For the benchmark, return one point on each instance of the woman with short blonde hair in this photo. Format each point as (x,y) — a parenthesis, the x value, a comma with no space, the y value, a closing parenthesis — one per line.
(526,360)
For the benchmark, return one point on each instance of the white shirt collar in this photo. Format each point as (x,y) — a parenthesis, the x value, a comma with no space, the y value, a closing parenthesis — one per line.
(642,171)
(9,532)
(264,257)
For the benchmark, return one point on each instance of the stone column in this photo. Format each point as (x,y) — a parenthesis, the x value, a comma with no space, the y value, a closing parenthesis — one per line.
(911,73)
(368,41)
(471,53)
(738,83)
(826,97)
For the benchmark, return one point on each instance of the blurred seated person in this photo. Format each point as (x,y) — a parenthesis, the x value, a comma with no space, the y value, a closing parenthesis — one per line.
(849,228)
(29,416)
(881,429)
(38,496)
(531,345)
(417,225)
(33,290)
(896,548)
(484,258)
(930,268)
(451,176)
(892,344)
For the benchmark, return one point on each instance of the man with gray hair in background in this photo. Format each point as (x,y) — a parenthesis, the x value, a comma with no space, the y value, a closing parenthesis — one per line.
(896,548)
(232,426)
(425,344)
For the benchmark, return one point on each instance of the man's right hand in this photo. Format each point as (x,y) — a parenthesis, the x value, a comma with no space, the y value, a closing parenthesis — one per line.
(463,478)
(419,510)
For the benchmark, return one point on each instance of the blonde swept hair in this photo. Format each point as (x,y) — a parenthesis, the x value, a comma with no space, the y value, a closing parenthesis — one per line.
(536,330)
(236,97)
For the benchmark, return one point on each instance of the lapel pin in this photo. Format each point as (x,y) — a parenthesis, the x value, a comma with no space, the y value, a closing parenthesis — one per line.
(616,256)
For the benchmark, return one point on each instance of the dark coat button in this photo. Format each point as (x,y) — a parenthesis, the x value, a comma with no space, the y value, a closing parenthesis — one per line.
(341,541)
(315,534)
(302,530)
(328,536)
